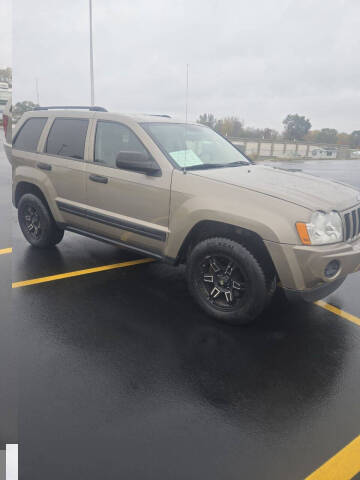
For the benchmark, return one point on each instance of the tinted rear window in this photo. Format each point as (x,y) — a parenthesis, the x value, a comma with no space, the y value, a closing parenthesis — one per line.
(67,137)
(29,135)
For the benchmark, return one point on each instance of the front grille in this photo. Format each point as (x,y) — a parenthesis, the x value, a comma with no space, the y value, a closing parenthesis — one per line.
(352,224)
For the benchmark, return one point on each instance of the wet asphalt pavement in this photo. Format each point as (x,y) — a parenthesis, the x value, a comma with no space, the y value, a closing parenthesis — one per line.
(121,376)
(8,410)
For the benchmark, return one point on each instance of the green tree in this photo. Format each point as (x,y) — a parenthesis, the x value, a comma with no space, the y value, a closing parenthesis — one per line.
(269,134)
(253,133)
(355,138)
(230,127)
(327,135)
(343,138)
(207,119)
(20,108)
(296,127)
(6,76)
(312,136)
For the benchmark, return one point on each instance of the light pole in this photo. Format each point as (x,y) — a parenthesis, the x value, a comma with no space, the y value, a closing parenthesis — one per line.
(92,93)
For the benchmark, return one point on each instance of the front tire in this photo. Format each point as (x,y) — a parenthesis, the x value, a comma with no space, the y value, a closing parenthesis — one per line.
(227,281)
(36,222)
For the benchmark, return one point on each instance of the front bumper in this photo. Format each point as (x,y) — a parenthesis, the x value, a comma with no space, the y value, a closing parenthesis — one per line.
(314,294)
(302,268)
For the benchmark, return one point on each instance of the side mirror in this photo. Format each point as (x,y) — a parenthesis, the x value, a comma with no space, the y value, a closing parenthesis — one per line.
(138,162)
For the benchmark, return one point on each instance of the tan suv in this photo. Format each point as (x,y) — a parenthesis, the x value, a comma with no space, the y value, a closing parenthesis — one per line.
(182,193)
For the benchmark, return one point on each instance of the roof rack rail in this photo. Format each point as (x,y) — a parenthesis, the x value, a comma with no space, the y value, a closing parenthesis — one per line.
(72,107)
(158,115)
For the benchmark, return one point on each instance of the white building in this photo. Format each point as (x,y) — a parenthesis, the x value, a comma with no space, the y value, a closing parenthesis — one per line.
(323,152)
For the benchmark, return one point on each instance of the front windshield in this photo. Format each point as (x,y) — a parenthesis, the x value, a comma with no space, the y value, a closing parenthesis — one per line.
(194,146)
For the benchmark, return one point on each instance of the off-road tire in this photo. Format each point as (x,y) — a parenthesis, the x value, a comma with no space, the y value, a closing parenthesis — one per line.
(248,305)
(48,233)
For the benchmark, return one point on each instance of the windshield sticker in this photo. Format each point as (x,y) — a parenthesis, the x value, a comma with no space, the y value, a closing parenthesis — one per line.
(186,158)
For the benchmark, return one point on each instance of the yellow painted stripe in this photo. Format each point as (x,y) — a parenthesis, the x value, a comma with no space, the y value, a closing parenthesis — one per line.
(77,273)
(342,466)
(5,251)
(337,311)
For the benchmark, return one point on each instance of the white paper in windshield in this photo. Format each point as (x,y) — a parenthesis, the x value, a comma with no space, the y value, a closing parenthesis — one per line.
(186,158)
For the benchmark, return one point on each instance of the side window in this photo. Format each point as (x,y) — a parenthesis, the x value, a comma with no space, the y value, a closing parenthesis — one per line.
(111,139)
(67,137)
(29,135)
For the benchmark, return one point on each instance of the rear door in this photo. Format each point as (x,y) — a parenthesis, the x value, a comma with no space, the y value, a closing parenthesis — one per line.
(125,205)
(62,156)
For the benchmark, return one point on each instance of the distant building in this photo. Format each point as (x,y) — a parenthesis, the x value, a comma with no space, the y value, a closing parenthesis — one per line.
(323,152)
(5,93)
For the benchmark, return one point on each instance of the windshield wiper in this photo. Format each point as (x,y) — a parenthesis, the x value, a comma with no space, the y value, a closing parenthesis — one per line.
(205,166)
(240,163)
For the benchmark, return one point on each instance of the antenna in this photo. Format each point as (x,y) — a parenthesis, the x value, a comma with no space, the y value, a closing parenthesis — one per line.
(37,91)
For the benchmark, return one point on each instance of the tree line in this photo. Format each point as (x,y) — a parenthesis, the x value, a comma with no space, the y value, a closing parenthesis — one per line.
(296,128)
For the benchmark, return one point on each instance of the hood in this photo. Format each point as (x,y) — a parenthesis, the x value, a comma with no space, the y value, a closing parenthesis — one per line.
(302,189)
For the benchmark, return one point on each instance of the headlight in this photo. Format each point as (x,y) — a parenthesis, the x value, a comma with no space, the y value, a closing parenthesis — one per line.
(324,228)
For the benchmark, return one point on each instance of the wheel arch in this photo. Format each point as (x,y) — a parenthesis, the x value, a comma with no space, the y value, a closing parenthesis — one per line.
(23,188)
(209,228)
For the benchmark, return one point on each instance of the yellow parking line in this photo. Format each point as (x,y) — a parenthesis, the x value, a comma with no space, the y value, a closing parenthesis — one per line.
(337,311)
(5,250)
(342,466)
(77,273)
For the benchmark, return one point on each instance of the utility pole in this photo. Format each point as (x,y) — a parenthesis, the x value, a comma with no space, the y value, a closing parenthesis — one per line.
(92,94)
(187,93)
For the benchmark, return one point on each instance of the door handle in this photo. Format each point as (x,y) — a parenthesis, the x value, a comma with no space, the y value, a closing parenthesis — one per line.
(44,166)
(98,178)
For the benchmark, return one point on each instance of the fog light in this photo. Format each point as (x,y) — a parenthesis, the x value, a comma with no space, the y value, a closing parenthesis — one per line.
(332,268)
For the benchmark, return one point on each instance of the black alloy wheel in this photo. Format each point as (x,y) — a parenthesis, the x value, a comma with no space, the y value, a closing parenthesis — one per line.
(32,222)
(227,281)
(37,223)
(223,282)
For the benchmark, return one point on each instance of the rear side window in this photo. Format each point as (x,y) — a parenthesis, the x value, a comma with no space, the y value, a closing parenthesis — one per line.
(67,137)
(28,137)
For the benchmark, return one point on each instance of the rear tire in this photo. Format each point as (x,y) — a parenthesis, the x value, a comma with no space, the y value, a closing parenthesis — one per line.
(227,281)
(36,222)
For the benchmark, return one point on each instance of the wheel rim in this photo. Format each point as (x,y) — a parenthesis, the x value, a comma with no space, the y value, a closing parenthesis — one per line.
(222,282)
(32,222)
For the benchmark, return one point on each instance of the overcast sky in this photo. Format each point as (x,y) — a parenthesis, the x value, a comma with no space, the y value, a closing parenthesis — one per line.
(258,60)
(5,33)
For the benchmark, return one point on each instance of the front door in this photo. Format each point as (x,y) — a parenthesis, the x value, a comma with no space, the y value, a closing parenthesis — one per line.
(128,206)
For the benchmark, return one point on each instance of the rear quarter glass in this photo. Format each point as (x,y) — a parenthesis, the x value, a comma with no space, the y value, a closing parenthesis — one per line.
(28,137)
